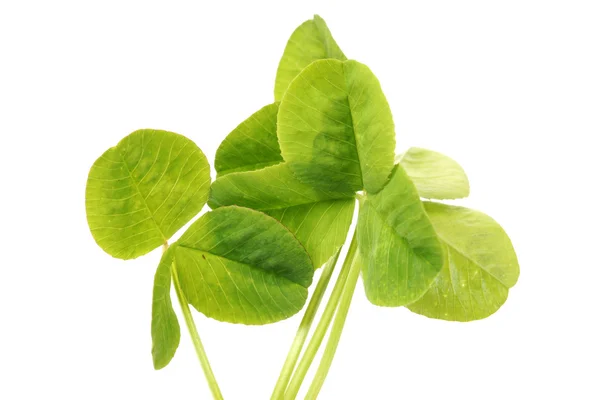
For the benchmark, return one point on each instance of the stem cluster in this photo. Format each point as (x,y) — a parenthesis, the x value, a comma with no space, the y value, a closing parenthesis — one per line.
(293,372)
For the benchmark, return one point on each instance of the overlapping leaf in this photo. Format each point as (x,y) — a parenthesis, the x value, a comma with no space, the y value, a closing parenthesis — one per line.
(335,127)
(435,175)
(311,41)
(318,218)
(140,192)
(252,145)
(400,252)
(165,328)
(242,266)
(480,266)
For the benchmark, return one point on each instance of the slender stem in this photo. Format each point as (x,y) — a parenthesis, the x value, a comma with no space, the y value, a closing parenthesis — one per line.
(322,327)
(336,333)
(189,321)
(304,328)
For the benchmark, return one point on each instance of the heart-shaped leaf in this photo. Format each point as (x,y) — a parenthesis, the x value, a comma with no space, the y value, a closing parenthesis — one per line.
(252,145)
(319,219)
(142,191)
(435,175)
(481,266)
(335,128)
(311,41)
(400,252)
(242,266)
(165,328)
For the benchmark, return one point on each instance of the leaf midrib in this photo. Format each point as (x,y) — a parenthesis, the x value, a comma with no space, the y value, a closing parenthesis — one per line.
(141,196)
(362,182)
(242,263)
(380,215)
(462,253)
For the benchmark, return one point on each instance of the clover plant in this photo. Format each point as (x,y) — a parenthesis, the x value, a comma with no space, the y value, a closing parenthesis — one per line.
(288,181)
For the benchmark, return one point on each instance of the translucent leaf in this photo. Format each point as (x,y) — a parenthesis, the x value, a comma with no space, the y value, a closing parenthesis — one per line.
(165,328)
(242,266)
(400,252)
(311,41)
(319,219)
(252,145)
(142,191)
(435,175)
(335,128)
(481,265)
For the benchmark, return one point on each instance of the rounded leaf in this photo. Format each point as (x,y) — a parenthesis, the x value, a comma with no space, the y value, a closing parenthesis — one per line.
(435,175)
(320,220)
(311,41)
(400,252)
(481,265)
(242,266)
(140,192)
(335,128)
(251,145)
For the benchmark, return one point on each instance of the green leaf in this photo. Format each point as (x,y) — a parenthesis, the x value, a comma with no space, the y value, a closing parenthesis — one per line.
(321,226)
(435,175)
(400,252)
(335,128)
(319,219)
(142,191)
(242,266)
(311,41)
(481,265)
(252,145)
(165,328)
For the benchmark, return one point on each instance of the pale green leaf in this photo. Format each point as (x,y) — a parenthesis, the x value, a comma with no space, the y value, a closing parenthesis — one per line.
(311,41)
(251,145)
(320,220)
(435,175)
(481,265)
(321,226)
(335,127)
(242,266)
(165,328)
(400,252)
(142,191)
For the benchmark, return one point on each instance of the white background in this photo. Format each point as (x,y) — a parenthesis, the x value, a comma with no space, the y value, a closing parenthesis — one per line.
(510,89)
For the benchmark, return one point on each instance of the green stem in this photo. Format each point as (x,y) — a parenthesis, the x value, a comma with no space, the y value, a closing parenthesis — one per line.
(336,333)
(189,321)
(304,328)
(322,327)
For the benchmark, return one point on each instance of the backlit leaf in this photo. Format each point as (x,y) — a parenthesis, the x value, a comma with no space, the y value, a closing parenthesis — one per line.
(320,220)
(165,328)
(435,175)
(400,252)
(311,41)
(335,127)
(140,192)
(481,266)
(252,145)
(242,266)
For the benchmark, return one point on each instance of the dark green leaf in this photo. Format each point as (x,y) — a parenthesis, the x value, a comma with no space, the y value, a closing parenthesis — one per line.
(335,128)
(242,266)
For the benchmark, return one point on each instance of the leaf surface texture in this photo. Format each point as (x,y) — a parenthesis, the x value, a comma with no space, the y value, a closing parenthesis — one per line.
(335,127)
(140,192)
(480,266)
(400,252)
